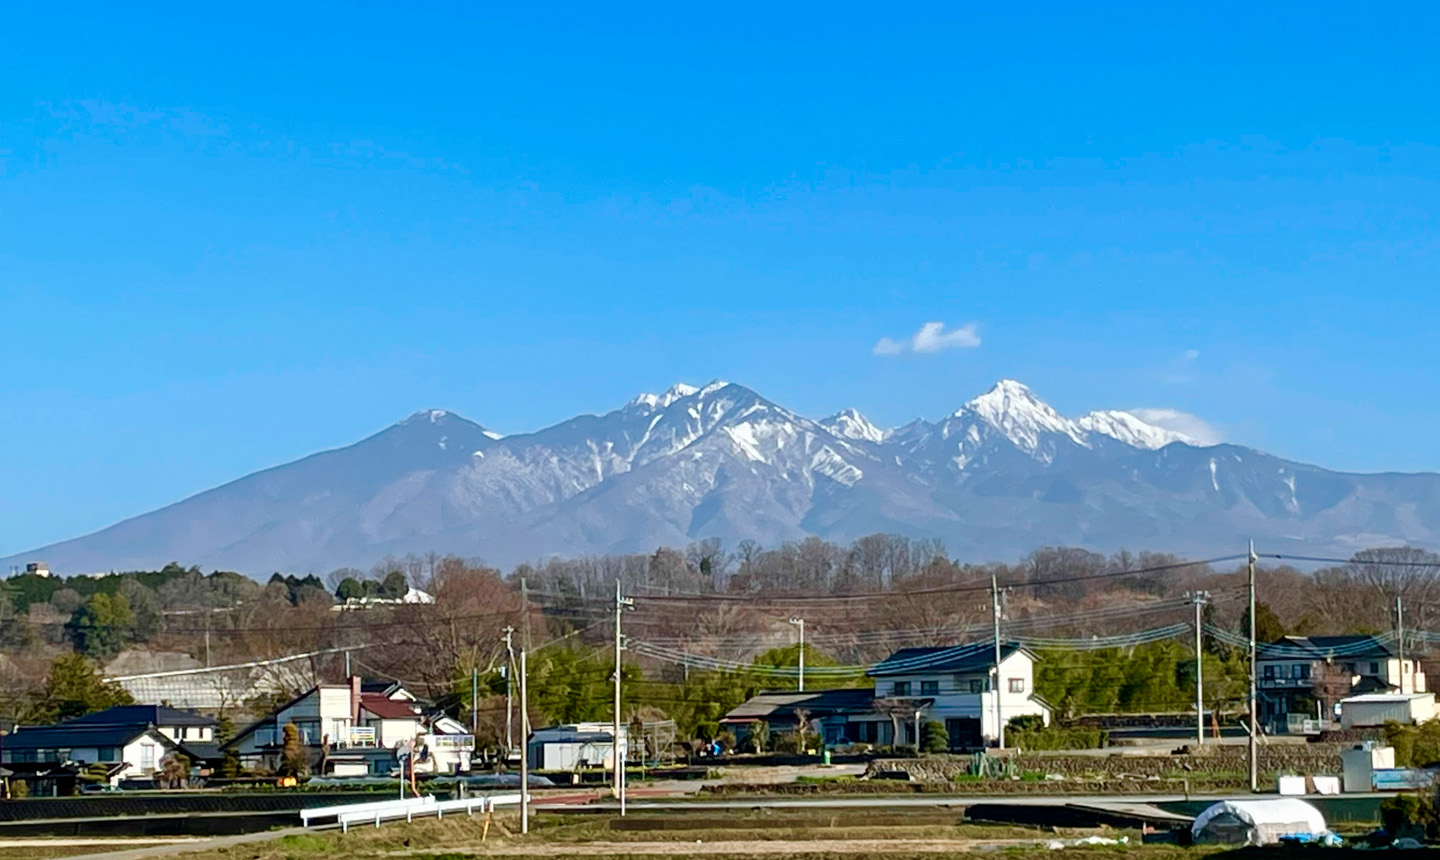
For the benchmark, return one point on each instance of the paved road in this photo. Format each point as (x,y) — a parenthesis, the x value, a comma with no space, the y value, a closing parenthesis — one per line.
(153,850)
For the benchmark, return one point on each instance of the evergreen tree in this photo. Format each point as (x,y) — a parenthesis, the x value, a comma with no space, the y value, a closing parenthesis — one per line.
(73,688)
(102,625)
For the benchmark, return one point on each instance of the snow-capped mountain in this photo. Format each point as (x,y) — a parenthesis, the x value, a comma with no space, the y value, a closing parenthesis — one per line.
(1001,475)
(1124,427)
(850,424)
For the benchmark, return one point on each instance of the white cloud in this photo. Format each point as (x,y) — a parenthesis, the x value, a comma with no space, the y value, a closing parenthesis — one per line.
(1192,354)
(1193,426)
(931,338)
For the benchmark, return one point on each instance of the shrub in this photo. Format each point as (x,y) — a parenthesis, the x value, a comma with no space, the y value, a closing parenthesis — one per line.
(1056,738)
(934,738)
(1409,812)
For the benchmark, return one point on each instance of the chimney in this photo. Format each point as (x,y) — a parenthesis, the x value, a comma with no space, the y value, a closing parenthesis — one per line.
(354,700)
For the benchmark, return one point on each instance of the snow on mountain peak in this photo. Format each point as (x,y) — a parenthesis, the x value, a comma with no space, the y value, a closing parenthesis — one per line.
(1131,430)
(850,424)
(1013,409)
(678,391)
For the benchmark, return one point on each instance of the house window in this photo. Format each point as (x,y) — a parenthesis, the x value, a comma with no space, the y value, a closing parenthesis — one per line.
(1017,685)
(901,688)
(929,688)
(977,686)
(147,757)
(1300,671)
(1269,673)
(1374,668)
(109,753)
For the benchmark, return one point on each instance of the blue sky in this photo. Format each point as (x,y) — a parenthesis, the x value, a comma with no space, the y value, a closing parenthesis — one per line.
(230,240)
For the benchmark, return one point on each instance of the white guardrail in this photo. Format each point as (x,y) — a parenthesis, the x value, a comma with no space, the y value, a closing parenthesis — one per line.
(391,810)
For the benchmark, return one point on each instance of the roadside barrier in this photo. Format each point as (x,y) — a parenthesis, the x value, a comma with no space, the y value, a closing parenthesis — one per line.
(378,812)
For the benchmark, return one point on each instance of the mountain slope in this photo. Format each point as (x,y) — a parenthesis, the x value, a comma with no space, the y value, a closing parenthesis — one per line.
(1003,474)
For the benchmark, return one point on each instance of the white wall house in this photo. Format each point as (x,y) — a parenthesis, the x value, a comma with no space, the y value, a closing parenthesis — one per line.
(955,686)
(362,724)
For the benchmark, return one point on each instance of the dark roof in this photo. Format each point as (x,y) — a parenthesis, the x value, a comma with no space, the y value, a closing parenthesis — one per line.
(974,657)
(781,706)
(1370,684)
(140,715)
(68,736)
(201,750)
(1338,647)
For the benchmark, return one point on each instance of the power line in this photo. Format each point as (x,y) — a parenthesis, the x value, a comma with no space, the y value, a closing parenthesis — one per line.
(920,592)
(1354,561)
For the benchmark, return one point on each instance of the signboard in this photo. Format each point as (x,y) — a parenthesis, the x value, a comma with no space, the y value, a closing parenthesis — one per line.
(362,736)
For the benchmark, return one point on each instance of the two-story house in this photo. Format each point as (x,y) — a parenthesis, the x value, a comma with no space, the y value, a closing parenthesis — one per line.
(192,733)
(128,752)
(1303,678)
(132,740)
(954,685)
(354,728)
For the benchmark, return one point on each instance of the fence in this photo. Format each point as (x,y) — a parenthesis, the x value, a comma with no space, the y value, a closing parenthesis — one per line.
(392,810)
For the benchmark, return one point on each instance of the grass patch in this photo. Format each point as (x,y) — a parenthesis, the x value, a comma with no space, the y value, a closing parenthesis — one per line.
(306,844)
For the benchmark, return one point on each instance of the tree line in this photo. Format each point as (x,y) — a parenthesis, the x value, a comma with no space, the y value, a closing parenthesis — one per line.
(722,603)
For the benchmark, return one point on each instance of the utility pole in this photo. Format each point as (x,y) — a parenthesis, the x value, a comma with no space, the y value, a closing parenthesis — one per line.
(800,622)
(509,685)
(1400,638)
(995,687)
(1254,699)
(621,604)
(524,714)
(474,700)
(1199,598)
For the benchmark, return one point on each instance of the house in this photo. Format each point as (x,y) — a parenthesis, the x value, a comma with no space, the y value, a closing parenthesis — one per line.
(829,711)
(951,685)
(130,752)
(1305,677)
(574,746)
(350,727)
(192,734)
(954,686)
(447,747)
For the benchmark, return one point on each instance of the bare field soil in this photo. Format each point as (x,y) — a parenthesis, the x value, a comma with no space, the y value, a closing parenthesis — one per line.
(853,835)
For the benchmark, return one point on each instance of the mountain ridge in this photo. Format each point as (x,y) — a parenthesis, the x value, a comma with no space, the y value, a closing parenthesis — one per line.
(1002,474)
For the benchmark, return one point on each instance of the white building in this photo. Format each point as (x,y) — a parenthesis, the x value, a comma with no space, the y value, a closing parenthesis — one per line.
(954,686)
(1376,709)
(369,721)
(574,746)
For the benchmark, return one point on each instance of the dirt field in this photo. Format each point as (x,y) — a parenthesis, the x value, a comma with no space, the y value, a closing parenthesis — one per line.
(852,835)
